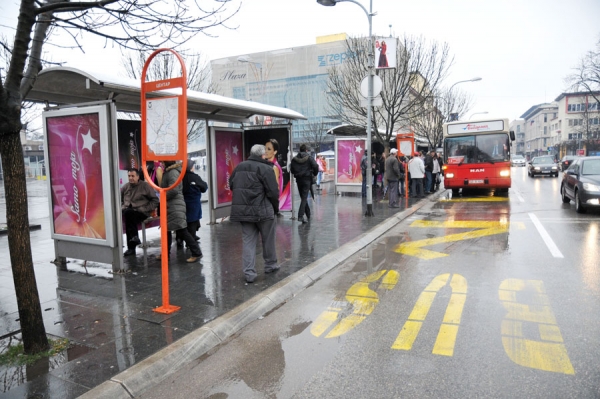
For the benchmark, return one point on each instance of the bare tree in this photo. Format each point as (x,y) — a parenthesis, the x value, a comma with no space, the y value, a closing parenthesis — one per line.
(420,69)
(429,123)
(316,133)
(166,66)
(587,74)
(130,24)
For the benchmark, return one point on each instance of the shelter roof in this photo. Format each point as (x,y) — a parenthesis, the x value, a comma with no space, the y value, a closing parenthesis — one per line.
(64,85)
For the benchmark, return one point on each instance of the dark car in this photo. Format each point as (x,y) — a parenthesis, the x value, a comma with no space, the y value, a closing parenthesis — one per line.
(581,183)
(542,165)
(566,161)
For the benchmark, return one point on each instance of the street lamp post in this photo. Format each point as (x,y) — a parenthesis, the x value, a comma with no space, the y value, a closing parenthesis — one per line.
(450,91)
(371,67)
(477,113)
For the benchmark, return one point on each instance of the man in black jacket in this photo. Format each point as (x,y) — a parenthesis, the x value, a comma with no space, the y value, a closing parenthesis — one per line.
(255,203)
(304,167)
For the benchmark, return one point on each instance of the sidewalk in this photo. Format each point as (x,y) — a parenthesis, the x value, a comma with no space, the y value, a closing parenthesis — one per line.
(109,318)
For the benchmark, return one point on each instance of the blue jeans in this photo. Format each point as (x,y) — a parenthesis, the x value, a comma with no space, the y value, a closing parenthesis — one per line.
(428,181)
(319,178)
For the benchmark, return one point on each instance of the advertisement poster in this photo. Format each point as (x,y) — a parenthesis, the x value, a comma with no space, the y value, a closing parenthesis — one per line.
(77,195)
(385,53)
(129,134)
(281,160)
(228,154)
(349,154)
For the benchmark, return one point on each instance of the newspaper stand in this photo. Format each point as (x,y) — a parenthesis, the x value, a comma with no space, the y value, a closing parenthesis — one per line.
(165,114)
(405,143)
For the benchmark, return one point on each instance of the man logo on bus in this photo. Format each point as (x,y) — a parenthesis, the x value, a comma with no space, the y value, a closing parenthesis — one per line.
(476,170)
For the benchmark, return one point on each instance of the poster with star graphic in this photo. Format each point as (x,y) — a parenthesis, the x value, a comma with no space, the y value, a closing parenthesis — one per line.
(227,155)
(349,154)
(79,182)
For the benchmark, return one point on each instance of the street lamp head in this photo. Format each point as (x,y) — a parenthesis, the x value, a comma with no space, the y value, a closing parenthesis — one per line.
(475,79)
(327,3)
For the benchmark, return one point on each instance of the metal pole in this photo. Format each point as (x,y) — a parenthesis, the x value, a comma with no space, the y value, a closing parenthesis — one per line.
(371,67)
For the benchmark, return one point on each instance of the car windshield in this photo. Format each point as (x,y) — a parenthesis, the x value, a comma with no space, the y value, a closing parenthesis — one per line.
(591,167)
(542,160)
(518,157)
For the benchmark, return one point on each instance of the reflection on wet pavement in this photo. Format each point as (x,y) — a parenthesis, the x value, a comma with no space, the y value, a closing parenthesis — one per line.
(112,314)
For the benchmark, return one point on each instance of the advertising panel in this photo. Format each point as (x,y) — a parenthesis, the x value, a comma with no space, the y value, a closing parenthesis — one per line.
(79,180)
(349,154)
(129,135)
(281,159)
(385,53)
(228,153)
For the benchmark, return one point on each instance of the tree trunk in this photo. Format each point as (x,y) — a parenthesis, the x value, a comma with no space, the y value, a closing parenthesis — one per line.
(19,244)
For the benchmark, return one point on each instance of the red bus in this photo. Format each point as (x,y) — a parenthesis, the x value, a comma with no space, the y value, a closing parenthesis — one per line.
(477,155)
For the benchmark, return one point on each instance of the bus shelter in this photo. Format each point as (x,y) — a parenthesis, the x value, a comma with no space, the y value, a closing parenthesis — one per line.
(89,149)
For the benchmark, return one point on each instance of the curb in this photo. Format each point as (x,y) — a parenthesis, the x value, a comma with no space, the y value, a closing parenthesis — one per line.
(151,371)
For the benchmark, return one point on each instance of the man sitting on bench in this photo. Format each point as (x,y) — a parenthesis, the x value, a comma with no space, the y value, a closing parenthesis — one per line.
(138,200)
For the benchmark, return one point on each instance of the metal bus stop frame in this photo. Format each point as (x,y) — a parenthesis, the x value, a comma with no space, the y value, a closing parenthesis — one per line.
(70,87)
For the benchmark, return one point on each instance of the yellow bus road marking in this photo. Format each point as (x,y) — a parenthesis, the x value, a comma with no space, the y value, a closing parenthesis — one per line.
(485,228)
(549,353)
(446,338)
(476,199)
(360,298)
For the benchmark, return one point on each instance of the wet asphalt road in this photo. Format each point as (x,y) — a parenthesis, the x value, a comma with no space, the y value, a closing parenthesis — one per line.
(475,296)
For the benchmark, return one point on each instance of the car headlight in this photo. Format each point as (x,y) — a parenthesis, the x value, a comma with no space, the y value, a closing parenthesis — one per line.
(537,168)
(505,173)
(591,187)
(449,175)
(554,168)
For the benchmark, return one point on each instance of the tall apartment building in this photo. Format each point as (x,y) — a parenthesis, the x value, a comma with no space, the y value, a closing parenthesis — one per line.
(294,78)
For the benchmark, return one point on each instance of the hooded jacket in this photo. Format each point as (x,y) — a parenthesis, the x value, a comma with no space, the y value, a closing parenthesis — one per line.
(176,218)
(304,166)
(255,191)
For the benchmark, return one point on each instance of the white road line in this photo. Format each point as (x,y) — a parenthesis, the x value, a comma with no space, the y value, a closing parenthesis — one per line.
(546,237)
(519,196)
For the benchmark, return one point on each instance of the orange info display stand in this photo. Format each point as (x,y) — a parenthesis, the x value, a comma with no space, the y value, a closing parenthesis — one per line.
(164,138)
(405,143)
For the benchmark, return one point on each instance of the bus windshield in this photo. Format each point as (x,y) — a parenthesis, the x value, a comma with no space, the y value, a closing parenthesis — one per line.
(483,148)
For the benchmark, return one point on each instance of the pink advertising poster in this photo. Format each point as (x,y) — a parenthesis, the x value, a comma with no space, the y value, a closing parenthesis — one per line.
(349,154)
(74,152)
(228,154)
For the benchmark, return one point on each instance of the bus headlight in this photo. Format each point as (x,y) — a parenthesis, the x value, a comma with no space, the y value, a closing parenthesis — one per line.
(505,173)
(449,175)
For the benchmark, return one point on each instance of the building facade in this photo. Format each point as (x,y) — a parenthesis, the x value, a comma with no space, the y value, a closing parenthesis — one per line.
(294,78)
(518,126)
(578,123)
(539,138)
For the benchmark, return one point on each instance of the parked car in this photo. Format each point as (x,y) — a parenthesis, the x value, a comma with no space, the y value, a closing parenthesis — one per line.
(581,183)
(566,161)
(543,165)
(517,160)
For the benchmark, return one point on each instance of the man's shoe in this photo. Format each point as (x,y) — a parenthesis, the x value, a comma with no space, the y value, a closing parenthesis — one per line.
(303,220)
(193,259)
(129,252)
(272,270)
(135,241)
(249,280)
(179,243)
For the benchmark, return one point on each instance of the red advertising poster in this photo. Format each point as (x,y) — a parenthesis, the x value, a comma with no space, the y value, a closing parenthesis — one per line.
(228,154)
(75,155)
(349,154)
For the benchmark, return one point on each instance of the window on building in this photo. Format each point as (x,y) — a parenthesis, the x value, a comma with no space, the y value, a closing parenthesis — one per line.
(570,122)
(545,129)
(545,118)
(581,122)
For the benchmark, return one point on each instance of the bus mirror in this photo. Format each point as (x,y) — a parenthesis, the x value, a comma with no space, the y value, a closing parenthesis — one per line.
(512,135)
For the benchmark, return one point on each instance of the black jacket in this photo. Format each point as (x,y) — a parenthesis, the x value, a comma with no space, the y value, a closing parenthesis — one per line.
(304,166)
(428,163)
(255,191)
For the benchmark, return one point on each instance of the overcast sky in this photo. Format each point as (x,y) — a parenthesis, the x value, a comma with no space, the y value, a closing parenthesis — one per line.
(523,49)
